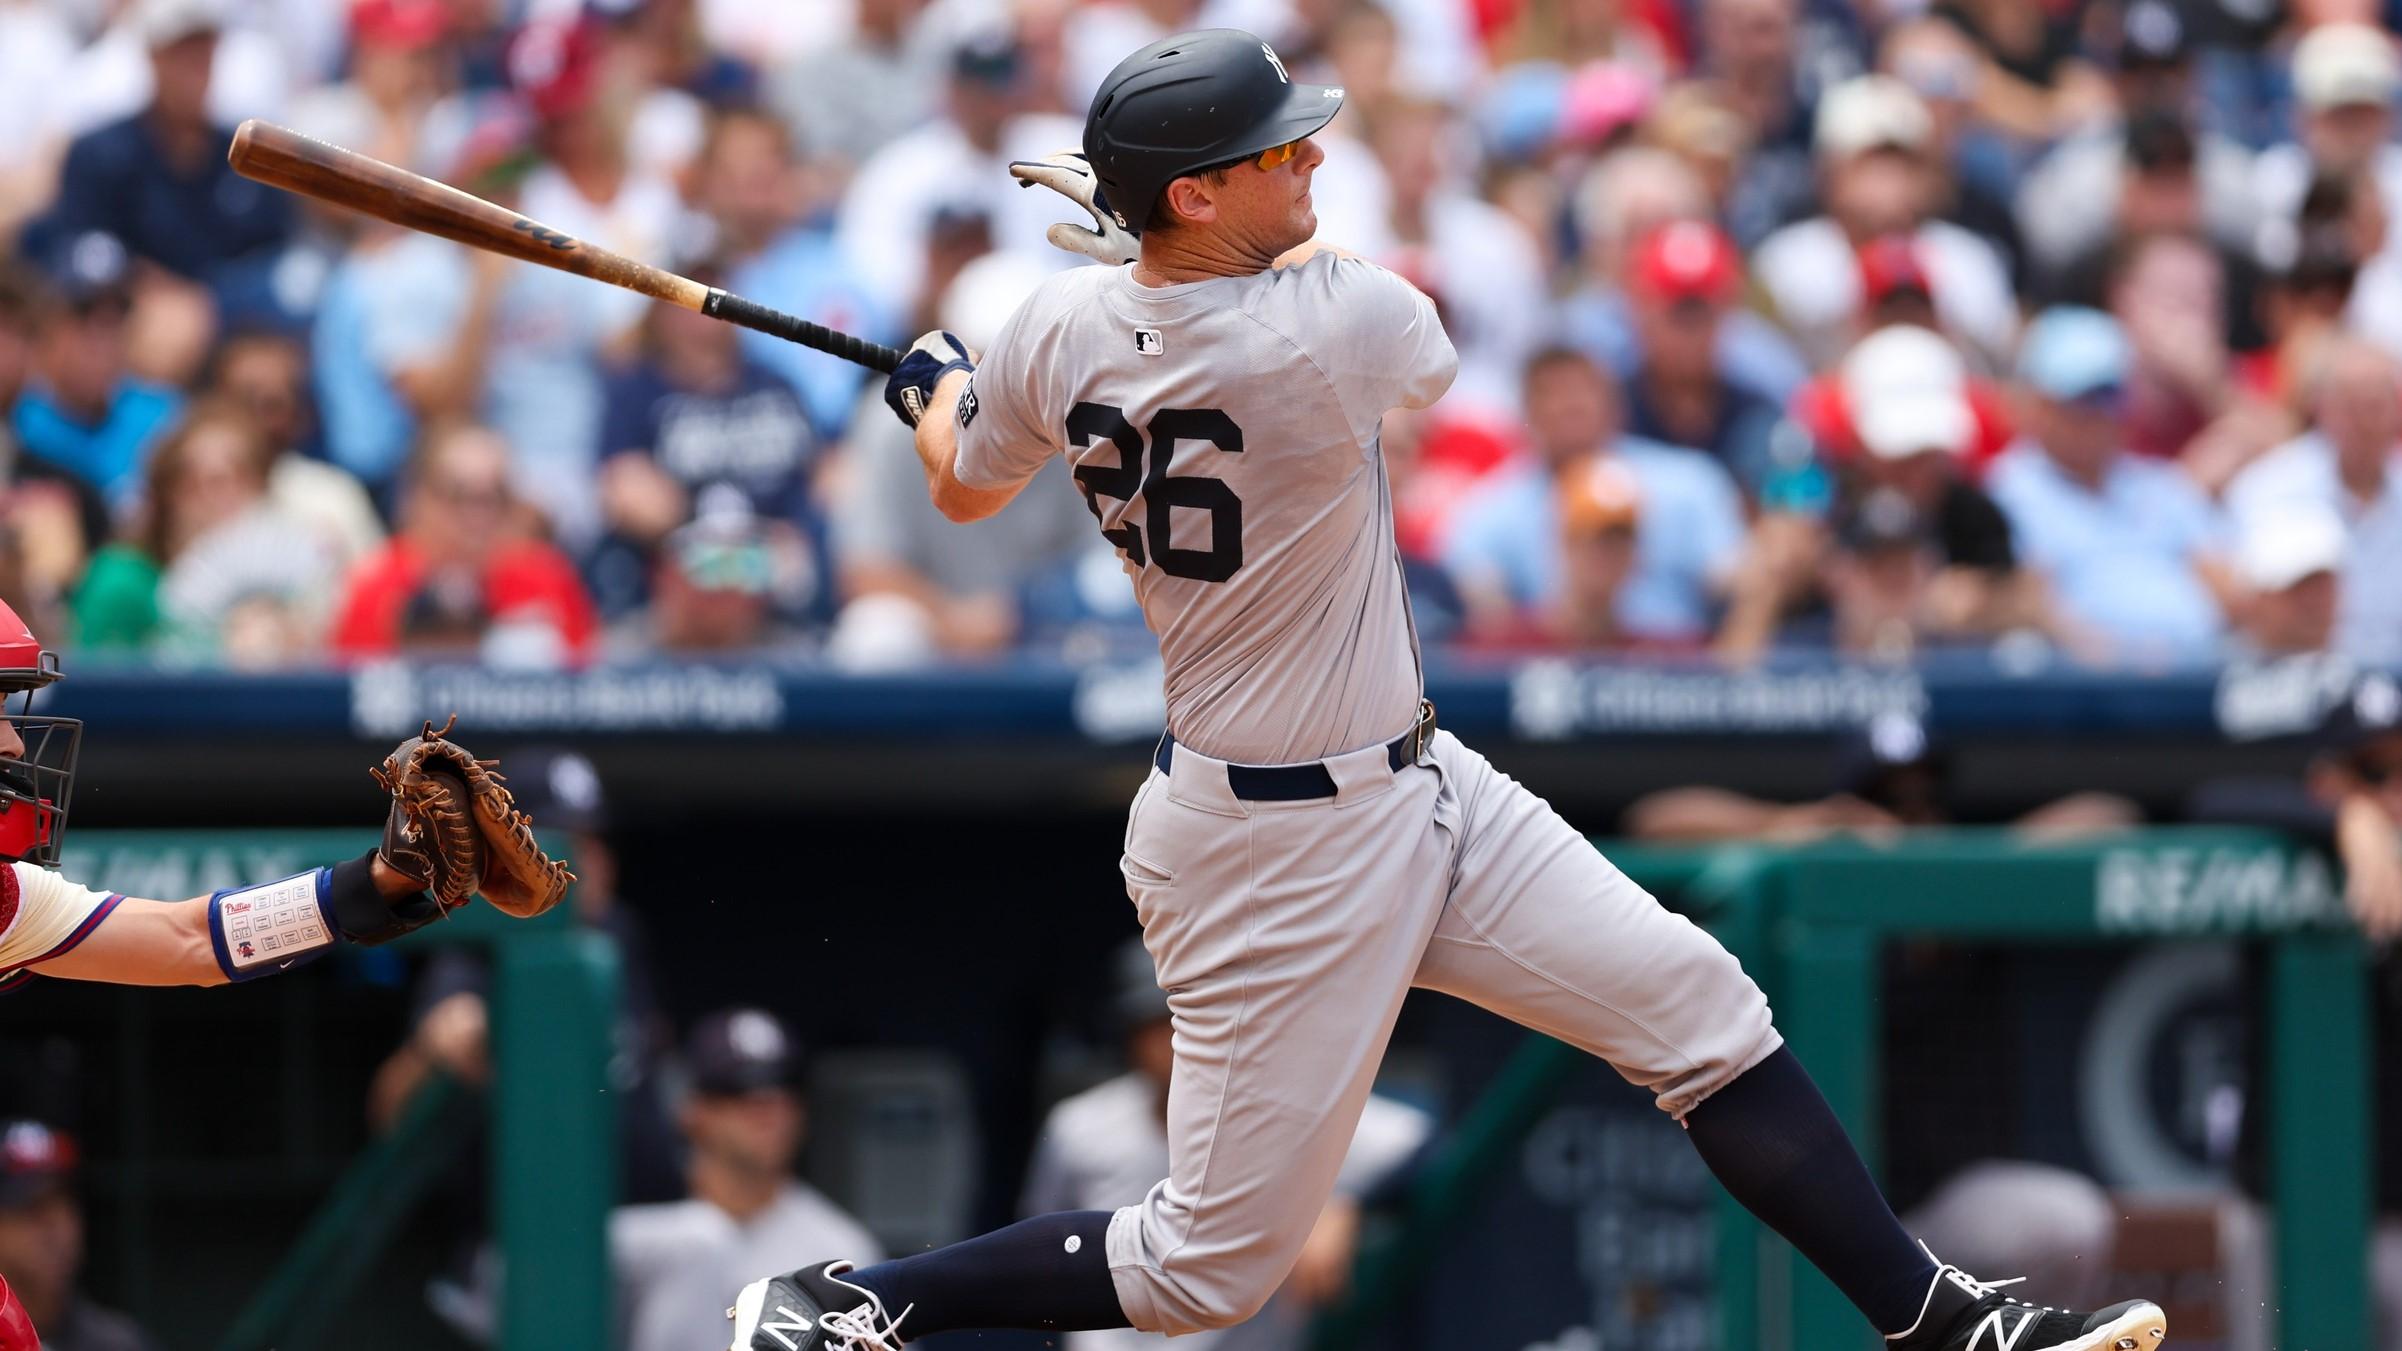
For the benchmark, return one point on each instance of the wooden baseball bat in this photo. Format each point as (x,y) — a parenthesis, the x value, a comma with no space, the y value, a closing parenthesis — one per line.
(283,158)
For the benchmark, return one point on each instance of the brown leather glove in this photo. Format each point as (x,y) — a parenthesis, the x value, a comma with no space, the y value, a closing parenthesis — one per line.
(456,830)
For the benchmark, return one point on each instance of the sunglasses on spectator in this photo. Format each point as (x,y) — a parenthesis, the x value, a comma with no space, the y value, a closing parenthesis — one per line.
(473,494)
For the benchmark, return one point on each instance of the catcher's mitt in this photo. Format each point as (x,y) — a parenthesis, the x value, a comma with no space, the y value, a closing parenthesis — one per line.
(455,830)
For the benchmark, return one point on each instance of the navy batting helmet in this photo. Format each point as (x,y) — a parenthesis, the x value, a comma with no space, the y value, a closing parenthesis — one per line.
(1189,103)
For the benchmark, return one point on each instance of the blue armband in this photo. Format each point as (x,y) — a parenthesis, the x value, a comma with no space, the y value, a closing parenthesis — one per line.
(273,926)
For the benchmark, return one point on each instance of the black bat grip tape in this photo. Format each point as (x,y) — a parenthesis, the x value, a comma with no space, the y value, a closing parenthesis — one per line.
(777,324)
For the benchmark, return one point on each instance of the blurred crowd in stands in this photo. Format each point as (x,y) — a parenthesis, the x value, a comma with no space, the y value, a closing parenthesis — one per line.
(1872,326)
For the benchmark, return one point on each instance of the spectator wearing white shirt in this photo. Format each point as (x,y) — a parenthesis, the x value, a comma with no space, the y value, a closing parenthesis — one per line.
(1625,197)
(2071,201)
(550,330)
(2348,463)
(679,1264)
(846,101)
(2127,544)
(1473,258)
(955,166)
(2346,77)
(1874,142)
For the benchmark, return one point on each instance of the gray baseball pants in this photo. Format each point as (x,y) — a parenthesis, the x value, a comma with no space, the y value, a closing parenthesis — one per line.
(1286,934)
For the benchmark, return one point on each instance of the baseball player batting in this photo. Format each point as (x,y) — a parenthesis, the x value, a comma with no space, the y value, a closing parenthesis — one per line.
(1308,847)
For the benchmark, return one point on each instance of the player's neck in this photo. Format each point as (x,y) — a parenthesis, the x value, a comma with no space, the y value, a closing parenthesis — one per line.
(1172,259)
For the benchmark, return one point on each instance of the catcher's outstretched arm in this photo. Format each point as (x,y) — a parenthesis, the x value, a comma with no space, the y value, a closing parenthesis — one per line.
(130,941)
(211,940)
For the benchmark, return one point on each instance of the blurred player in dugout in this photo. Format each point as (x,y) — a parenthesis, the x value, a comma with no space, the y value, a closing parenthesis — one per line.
(679,1264)
(41,1247)
(1105,1147)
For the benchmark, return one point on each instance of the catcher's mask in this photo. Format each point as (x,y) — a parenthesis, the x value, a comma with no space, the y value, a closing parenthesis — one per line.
(34,787)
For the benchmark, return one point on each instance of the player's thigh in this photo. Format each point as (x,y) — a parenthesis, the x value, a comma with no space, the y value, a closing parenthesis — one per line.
(1286,938)
(1544,930)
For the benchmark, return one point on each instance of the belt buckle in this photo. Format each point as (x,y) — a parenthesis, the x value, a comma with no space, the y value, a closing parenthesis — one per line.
(1423,730)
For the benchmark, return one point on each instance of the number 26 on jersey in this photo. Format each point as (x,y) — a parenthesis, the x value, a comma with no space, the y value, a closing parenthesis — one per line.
(1141,474)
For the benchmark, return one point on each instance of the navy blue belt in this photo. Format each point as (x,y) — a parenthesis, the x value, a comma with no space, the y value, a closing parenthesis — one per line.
(1301,783)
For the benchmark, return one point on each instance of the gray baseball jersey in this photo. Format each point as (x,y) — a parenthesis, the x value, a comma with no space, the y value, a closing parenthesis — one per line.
(1224,434)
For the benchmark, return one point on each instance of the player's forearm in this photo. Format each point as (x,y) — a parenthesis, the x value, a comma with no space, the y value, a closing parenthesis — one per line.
(237,934)
(938,453)
(145,943)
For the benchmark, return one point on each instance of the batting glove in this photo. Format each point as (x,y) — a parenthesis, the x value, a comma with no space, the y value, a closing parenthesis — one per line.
(910,390)
(1070,175)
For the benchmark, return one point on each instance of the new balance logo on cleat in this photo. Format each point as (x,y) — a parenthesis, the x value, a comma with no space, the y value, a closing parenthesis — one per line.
(2005,1336)
(788,1327)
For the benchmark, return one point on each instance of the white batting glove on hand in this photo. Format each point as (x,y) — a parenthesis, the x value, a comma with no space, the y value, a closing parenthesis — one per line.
(1070,175)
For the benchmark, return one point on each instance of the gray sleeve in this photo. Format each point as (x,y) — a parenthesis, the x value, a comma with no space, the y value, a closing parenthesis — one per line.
(1377,338)
(1004,436)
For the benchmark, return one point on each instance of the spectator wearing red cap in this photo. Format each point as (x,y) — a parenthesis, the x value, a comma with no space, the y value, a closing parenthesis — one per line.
(1879,174)
(41,1243)
(1630,193)
(1910,551)
(1896,293)
(400,64)
(1686,278)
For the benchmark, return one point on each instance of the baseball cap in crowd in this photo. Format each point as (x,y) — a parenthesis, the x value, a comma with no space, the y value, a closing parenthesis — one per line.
(1871,112)
(554,65)
(88,267)
(1890,264)
(403,25)
(2370,713)
(559,788)
(1688,260)
(2338,64)
(1604,98)
(1907,390)
(987,56)
(2290,543)
(2071,353)
(2158,138)
(34,1162)
(741,1050)
(1521,109)
(1892,761)
(2153,33)
(1599,494)
(163,23)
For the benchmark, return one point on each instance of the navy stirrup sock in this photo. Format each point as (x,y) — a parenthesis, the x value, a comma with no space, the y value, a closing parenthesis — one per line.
(1776,1146)
(1049,1273)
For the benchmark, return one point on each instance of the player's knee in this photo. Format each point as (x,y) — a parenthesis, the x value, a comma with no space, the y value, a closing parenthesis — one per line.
(1207,1301)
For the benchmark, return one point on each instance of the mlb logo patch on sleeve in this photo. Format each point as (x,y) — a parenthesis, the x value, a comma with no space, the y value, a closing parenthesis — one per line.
(1148,342)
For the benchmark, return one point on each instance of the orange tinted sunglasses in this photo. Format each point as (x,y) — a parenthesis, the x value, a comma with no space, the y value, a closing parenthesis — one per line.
(1274,156)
